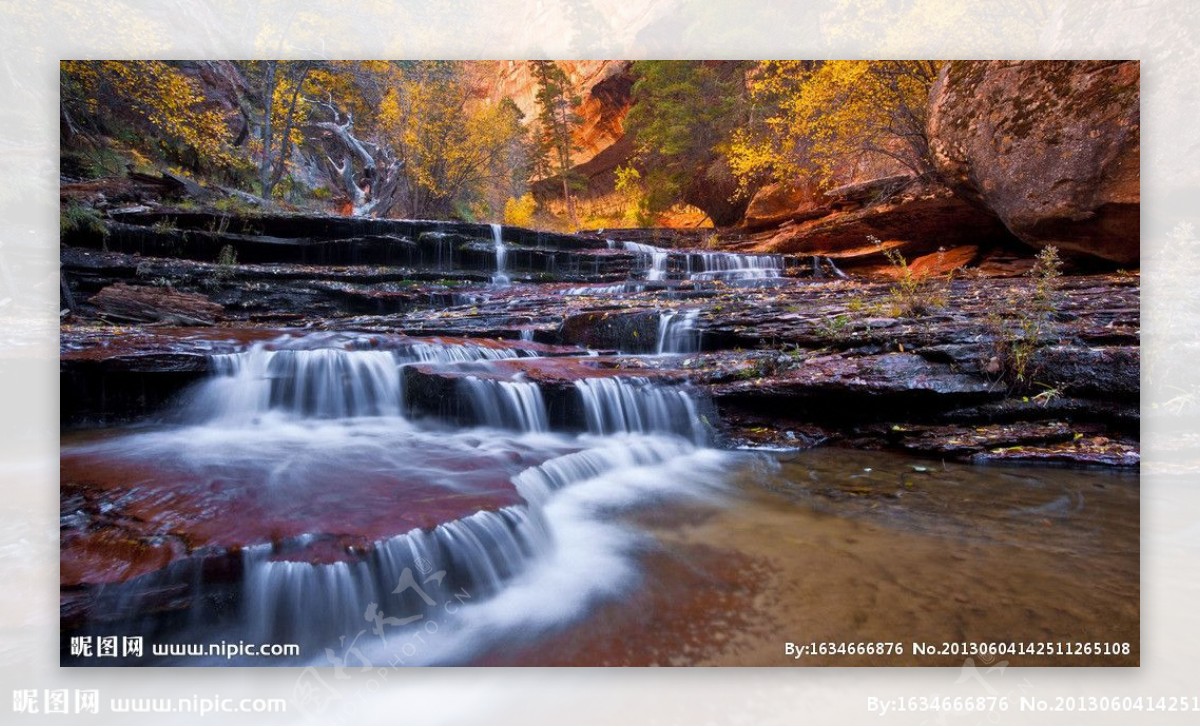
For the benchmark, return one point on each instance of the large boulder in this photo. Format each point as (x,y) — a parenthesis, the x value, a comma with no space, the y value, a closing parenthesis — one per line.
(1051,147)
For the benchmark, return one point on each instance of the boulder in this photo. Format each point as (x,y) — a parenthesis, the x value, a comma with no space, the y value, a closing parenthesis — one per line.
(1051,147)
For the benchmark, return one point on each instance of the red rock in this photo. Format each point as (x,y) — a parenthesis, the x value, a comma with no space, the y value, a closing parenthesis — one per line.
(1052,147)
(150,304)
(778,203)
(916,221)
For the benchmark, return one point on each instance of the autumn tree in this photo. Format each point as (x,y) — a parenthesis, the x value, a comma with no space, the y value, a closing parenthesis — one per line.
(683,119)
(461,156)
(282,110)
(557,103)
(151,103)
(824,119)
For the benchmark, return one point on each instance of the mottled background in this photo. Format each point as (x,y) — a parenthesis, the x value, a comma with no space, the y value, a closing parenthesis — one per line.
(35,35)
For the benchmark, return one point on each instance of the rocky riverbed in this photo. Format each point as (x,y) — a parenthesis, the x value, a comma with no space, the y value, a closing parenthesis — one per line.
(205,354)
(789,359)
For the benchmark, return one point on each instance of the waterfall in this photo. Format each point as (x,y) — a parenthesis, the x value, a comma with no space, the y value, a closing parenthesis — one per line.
(321,383)
(403,578)
(636,405)
(677,332)
(325,383)
(422,352)
(733,266)
(337,472)
(533,565)
(507,404)
(501,276)
(656,258)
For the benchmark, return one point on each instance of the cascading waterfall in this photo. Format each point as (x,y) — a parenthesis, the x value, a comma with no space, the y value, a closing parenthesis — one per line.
(733,266)
(323,383)
(507,404)
(501,276)
(422,352)
(403,577)
(335,406)
(702,266)
(677,332)
(637,405)
(656,258)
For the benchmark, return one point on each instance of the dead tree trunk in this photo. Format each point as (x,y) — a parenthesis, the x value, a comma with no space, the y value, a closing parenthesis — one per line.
(368,174)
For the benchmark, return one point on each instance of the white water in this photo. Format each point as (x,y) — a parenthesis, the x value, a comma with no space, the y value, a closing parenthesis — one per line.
(324,383)
(501,276)
(590,554)
(313,428)
(677,332)
(635,405)
(507,404)
(657,259)
(733,267)
(336,382)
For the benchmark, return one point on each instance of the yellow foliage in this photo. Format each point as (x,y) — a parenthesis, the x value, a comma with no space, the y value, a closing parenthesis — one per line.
(452,149)
(519,211)
(155,92)
(824,118)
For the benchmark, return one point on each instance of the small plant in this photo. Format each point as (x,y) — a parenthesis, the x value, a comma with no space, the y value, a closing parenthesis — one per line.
(220,226)
(78,218)
(833,328)
(227,257)
(1047,395)
(912,294)
(1023,325)
(166,224)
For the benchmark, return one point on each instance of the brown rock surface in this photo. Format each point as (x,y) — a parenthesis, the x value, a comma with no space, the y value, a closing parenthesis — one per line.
(1052,147)
(149,304)
(778,203)
(604,88)
(917,221)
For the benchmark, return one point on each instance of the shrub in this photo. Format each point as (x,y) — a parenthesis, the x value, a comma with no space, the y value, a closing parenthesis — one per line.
(79,218)
(519,211)
(912,295)
(1024,323)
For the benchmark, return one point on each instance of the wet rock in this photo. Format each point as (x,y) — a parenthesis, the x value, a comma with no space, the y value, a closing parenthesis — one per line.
(867,388)
(612,329)
(1051,147)
(1106,372)
(147,304)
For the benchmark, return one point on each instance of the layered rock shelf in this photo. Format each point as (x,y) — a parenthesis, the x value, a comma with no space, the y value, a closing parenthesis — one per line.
(821,360)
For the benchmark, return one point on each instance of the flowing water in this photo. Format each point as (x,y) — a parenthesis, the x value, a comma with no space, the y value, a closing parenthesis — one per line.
(501,276)
(677,332)
(295,496)
(733,268)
